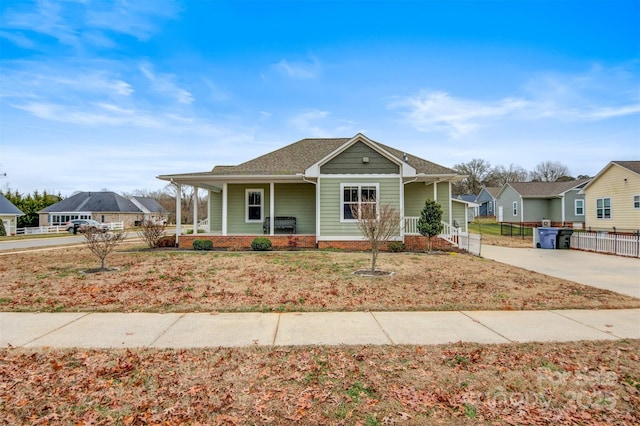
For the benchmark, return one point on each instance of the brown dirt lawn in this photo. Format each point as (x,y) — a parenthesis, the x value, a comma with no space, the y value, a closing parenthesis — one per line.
(189,281)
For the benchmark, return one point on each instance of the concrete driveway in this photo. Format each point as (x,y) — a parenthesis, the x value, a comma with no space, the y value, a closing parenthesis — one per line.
(615,273)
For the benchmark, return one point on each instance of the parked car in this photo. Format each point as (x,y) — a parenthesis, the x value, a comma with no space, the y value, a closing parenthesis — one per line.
(83,225)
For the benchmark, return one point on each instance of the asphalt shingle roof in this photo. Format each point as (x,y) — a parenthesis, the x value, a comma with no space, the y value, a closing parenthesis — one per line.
(7,207)
(93,202)
(545,189)
(151,204)
(298,156)
(634,166)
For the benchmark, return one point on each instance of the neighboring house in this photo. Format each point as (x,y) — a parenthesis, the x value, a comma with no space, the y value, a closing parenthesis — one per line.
(9,215)
(314,184)
(542,203)
(104,207)
(487,200)
(612,198)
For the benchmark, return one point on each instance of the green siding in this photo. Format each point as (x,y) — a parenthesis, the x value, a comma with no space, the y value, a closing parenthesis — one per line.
(415,195)
(350,162)
(459,215)
(570,206)
(330,197)
(236,209)
(535,209)
(506,199)
(443,200)
(215,212)
(299,201)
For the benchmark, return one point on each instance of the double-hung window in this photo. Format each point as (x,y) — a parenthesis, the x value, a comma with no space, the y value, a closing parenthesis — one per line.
(603,208)
(515,208)
(579,207)
(254,211)
(358,199)
(636,201)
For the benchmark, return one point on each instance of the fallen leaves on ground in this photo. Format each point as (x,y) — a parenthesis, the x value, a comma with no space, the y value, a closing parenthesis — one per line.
(188,281)
(564,383)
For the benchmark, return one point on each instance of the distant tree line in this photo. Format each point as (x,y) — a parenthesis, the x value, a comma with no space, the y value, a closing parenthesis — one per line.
(480,173)
(30,205)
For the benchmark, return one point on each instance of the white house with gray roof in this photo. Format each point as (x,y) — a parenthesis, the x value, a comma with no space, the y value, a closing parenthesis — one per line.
(9,215)
(308,189)
(103,206)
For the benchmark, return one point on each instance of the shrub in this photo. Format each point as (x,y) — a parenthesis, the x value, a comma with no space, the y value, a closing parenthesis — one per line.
(396,246)
(261,244)
(202,245)
(3,232)
(151,232)
(167,241)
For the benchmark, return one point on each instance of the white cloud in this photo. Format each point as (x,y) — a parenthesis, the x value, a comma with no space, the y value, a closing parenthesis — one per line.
(429,111)
(85,24)
(164,83)
(596,95)
(299,70)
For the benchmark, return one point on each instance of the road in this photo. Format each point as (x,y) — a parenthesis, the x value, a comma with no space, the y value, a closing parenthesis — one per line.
(36,243)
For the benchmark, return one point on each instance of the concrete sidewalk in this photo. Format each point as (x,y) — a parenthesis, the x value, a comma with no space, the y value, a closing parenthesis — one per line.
(174,330)
(615,273)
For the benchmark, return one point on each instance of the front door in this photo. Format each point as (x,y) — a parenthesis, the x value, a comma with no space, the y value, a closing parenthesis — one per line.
(499,213)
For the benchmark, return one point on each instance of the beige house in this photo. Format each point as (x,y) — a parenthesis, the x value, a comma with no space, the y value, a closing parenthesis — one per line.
(612,198)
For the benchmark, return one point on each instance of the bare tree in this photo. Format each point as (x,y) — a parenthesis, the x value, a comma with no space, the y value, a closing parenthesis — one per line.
(501,175)
(477,172)
(151,231)
(378,225)
(549,171)
(102,243)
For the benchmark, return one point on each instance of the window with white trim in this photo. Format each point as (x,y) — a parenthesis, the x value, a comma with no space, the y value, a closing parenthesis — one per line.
(354,196)
(579,208)
(254,211)
(515,208)
(636,201)
(603,208)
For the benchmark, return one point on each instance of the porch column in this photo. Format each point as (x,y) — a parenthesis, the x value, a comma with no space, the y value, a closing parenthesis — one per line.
(195,210)
(178,210)
(224,208)
(435,190)
(272,203)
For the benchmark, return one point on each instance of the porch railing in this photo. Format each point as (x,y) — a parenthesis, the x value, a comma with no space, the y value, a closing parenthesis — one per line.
(449,232)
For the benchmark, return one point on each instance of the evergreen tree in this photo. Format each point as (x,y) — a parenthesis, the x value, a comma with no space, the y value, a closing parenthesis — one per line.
(430,221)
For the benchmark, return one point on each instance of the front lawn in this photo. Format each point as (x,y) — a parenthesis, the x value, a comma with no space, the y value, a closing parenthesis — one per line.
(585,383)
(189,281)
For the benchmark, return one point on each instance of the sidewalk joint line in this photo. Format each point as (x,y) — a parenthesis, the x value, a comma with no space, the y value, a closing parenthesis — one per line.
(585,325)
(487,327)
(56,329)
(382,328)
(165,330)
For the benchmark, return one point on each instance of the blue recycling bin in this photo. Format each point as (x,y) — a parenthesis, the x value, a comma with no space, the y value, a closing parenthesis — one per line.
(547,238)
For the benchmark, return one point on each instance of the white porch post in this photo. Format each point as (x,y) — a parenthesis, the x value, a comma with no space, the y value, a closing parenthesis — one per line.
(178,210)
(195,210)
(435,190)
(451,206)
(272,203)
(224,208)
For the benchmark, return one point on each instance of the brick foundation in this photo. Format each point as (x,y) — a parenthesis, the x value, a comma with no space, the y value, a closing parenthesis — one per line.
(282,242)
(243,242)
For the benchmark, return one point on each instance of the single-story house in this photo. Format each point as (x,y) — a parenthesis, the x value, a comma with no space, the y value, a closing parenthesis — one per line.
(9,215)
(612,198)
(308,188)
(103,206)
(542,203)
(487,200)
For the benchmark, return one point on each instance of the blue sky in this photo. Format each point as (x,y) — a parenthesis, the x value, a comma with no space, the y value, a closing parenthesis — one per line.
(109,94)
